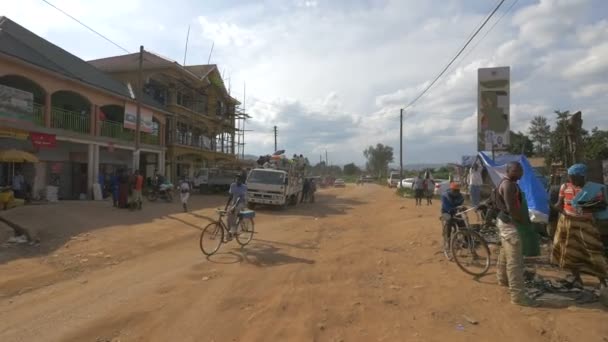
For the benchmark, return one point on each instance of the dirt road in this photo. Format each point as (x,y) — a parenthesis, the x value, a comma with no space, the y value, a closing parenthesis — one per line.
(359,265)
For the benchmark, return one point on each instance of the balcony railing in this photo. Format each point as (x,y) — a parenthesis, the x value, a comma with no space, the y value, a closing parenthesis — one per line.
(116,130)
(71,121)
(150,139)
(38,114)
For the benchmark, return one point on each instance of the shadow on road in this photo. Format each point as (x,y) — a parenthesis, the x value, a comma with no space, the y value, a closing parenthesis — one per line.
(265,255)
(324,206)
(226,258)
(53,225)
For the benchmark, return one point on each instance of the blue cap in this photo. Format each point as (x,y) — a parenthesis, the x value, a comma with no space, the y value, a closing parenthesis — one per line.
(577,170)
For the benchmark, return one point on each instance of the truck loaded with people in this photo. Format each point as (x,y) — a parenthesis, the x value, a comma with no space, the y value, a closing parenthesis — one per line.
(276,181)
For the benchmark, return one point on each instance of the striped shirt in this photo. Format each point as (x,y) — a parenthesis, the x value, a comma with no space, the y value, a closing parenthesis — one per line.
(568,191)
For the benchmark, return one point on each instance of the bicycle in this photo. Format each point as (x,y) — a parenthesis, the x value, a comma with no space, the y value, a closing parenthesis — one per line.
(213,235)
(466,247)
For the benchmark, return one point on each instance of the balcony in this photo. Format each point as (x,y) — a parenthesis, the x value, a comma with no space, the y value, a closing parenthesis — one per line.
(116,130)
(150,139)
(71,121)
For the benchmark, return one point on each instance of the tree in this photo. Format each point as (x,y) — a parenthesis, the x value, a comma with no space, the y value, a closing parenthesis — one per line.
(540,133)
(351,169)
(596,145)
(378,159)
(520,144)
(557,139)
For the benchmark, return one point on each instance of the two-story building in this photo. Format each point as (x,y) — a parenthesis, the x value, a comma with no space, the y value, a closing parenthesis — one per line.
(75,118)
(201,129)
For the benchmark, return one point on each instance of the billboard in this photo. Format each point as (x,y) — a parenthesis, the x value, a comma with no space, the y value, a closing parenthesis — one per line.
(493,99)
(16,105)
(131,118)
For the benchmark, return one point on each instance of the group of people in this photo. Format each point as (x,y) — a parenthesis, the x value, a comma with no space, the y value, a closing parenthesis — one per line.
(280,161)
(424,187)
(308,190)
(124,186)
(577,244)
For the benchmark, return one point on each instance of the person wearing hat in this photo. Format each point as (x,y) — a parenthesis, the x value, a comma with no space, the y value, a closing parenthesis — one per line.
(577,244)
(236,203)
(450,201)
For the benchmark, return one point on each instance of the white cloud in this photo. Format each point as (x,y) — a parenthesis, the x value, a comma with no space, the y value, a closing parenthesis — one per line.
(334,74)
(592,90)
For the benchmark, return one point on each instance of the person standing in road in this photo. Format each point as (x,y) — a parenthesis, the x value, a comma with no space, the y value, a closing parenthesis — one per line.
(510,267)
(429,188)
(138,185)
(236,202)
(184,193)
(418,186)
(311,191)
(475,183)
(305,190)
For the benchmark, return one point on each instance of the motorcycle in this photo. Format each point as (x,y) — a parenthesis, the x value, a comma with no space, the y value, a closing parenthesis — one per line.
(164,191)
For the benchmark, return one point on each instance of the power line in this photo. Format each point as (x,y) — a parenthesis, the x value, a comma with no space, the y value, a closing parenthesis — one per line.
(85,25)
(488,31)
(455,57)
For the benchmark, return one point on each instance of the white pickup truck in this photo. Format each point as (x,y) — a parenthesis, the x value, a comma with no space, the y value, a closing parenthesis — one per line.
(277,187)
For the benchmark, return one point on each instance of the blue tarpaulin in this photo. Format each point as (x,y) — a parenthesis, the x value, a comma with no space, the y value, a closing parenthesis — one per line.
(536,194)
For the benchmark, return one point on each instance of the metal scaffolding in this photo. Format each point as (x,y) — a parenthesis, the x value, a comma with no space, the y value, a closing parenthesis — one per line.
(240,116)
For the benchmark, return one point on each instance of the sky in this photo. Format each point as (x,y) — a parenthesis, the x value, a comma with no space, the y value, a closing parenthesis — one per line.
(332,75)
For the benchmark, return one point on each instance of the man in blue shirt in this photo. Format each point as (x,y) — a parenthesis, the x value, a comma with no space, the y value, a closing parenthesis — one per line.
(237,202)
(450,200)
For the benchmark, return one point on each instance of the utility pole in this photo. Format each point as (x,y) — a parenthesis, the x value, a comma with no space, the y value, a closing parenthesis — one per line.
(275,139)
(139,91)
(401,145)
(326,160)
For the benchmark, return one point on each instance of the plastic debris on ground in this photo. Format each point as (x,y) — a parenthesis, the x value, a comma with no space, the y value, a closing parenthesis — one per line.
(567,289)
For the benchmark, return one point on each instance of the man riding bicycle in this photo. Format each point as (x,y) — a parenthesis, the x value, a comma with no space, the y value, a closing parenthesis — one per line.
(237,202)
(450,201)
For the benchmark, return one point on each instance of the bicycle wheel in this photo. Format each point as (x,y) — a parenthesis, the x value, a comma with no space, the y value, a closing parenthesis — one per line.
(470,252)
(246,228)
(211,238)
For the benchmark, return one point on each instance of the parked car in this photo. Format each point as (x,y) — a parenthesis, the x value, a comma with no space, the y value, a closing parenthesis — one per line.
(393,179)
(368,179)
(406,183)
(339,183)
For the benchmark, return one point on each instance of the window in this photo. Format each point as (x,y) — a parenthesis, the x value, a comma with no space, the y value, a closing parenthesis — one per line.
(266,177)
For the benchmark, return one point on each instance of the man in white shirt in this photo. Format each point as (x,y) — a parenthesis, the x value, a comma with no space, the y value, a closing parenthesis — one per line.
(184,193)
(475,183)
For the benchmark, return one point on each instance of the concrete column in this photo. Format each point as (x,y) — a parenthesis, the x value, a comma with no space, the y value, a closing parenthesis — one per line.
(47,110)
(93,118)
(92,168)
(161,162)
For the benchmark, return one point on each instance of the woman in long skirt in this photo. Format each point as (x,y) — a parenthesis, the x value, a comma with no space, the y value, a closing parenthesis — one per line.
(577,244)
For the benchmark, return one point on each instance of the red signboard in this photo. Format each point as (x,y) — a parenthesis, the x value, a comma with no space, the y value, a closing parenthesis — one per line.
(42,140)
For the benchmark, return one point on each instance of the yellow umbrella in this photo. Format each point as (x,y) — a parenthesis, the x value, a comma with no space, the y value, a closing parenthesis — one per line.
(16,156)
